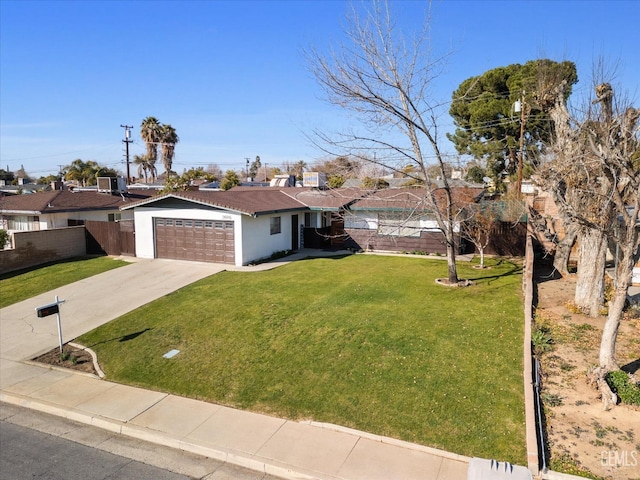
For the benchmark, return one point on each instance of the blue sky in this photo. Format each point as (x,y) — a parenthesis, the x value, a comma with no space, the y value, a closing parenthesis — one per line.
(230,76)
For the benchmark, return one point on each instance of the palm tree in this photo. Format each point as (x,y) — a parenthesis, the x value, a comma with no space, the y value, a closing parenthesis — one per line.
(143,166)
(150,132)
(84,172)
(169,138)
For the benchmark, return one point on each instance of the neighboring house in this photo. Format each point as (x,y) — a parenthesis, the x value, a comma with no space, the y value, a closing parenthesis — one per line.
(63,208)
(53,225)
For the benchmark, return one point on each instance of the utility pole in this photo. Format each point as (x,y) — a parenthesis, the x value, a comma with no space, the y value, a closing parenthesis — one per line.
(521,159)
(247,159)
(127,140)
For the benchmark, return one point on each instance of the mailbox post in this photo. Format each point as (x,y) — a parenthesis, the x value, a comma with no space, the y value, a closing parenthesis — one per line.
(50,309)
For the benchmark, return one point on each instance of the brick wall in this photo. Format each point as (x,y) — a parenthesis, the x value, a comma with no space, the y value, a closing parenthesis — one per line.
(35,248)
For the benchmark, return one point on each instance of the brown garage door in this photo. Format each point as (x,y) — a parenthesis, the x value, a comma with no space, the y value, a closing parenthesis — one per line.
(199,240)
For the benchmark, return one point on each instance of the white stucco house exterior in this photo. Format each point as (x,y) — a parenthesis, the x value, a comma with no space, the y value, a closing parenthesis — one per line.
(244,225)
(235,227)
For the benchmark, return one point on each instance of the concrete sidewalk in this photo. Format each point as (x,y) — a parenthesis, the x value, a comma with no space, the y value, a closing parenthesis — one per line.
(289,449)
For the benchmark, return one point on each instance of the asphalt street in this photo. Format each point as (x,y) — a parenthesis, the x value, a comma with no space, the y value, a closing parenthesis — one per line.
(40,446)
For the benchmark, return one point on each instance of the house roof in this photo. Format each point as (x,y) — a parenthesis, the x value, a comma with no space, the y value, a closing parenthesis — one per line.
(55,201)
(252,201)
(399,199)
(257,201)
(332,199)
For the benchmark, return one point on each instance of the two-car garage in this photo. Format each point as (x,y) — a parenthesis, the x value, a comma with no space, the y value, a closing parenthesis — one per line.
(198,240)
(234,227)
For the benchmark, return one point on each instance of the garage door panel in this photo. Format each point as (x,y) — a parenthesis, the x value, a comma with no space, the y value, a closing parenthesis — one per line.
(200,240)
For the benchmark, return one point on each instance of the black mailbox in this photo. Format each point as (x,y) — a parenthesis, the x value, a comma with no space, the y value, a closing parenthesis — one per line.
(48,310)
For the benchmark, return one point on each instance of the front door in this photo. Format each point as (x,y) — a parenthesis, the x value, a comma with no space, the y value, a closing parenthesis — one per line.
(295,242)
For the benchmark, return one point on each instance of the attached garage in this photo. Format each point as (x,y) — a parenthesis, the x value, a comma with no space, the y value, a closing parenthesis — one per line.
(193,239)
(236,227)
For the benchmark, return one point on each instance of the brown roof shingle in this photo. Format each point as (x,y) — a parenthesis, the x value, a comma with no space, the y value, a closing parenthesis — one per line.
(66,201)
(254,201)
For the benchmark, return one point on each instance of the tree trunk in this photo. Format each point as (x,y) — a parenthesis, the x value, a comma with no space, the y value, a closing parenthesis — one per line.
(451,263)
(616,307)
(563,250)
(592,251)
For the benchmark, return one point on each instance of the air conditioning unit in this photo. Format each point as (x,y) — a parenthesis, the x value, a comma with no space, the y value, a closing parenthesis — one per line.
(112,185)
(314,179)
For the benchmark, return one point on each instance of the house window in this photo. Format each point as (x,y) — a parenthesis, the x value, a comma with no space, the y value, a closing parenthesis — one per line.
(23,223)
(275,225)
(397,225)
(115,217)
(311,219)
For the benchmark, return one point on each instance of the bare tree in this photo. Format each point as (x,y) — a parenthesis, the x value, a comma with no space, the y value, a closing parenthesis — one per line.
(386,80)
(476,228)
(596,177)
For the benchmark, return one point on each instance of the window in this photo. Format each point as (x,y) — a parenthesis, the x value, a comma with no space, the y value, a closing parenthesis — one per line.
(23,223)
(397,225)
(275,225)
(115,217)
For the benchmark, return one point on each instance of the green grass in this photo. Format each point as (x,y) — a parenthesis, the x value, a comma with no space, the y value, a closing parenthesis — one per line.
(366,342)
(18,286)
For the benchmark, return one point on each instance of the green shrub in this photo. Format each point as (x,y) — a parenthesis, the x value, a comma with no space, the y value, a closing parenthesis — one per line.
(4,238)
(628,392)
(541,340)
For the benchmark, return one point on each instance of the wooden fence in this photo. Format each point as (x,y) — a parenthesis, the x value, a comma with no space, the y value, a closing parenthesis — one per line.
(112,238)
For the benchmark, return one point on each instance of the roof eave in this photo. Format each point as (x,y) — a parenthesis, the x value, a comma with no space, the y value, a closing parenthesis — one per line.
(280,210)
(21,212)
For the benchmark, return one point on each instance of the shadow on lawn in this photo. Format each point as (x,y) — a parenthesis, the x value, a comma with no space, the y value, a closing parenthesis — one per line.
(124,338)
(15,273)
(514,270)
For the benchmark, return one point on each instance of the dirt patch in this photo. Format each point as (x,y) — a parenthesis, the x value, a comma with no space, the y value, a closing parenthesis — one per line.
(71,357)
(581,435)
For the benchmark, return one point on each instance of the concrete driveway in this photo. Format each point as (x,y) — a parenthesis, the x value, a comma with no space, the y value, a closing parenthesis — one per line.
(92,302)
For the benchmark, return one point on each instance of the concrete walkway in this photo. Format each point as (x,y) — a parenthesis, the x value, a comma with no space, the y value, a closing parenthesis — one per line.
(289,449)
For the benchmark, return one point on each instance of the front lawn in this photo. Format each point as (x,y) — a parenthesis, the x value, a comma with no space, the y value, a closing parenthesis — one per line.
(368,342)
(18,286)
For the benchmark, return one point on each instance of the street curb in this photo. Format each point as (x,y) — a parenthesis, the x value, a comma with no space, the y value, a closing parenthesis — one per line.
(390,441)
(259,464)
